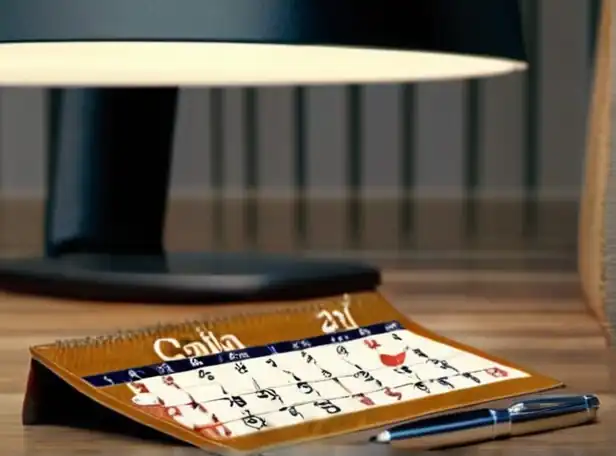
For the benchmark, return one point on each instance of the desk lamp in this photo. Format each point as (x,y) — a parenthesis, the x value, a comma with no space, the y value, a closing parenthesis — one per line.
(114,68)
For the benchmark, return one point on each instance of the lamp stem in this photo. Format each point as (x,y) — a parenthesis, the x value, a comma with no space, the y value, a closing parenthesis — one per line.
(109,163)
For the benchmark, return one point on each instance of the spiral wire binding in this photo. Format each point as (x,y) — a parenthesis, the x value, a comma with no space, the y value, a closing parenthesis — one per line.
(161,328)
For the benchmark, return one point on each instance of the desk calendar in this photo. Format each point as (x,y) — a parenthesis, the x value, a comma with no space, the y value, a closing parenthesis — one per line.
(253,382)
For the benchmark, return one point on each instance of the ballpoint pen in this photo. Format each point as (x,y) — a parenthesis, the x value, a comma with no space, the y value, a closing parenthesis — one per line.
(538,414)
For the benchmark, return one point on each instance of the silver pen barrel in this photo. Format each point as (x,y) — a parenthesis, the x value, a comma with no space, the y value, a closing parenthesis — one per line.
(548,413)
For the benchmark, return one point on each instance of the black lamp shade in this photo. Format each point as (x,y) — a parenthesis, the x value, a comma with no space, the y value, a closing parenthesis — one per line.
(110,146)
(226,42)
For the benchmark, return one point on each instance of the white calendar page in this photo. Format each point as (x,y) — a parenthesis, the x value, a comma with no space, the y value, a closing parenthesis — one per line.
(284,384)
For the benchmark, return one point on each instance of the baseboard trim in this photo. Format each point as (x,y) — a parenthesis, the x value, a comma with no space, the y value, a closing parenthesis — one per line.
(440,226)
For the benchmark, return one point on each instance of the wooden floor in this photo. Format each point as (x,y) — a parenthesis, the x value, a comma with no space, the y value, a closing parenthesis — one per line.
(537,320)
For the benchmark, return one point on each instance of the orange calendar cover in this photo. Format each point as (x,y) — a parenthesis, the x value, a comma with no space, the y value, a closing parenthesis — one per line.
(248,383)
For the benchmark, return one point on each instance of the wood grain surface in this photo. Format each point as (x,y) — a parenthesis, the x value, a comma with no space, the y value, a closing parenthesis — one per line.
(538,321)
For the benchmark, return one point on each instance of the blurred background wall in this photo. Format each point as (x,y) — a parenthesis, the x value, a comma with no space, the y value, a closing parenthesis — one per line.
(465,172)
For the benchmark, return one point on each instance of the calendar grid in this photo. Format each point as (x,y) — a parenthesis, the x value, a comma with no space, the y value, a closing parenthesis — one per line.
(419,363)
(350,395)
(314,382)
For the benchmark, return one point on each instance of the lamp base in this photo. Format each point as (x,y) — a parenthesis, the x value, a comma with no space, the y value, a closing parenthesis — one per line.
(198,278)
